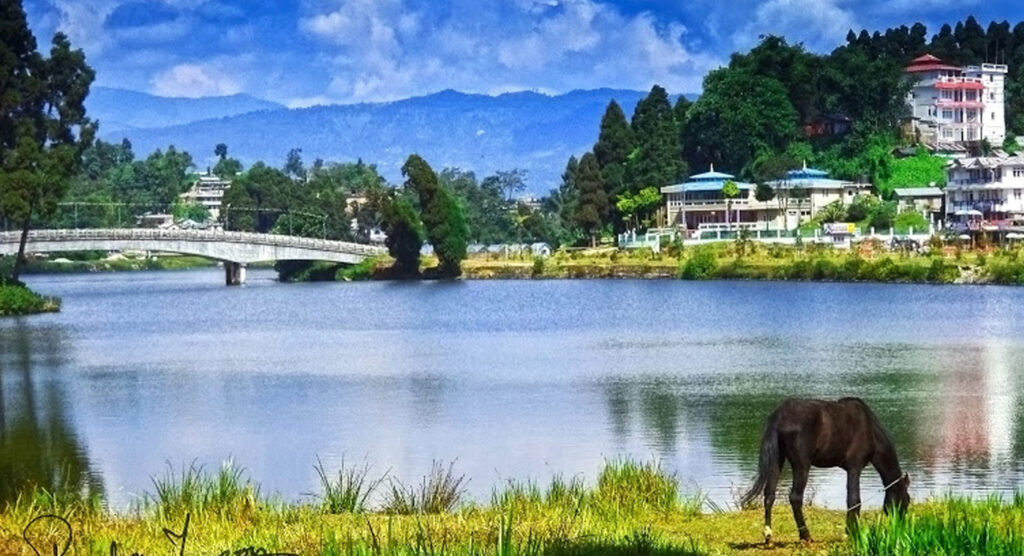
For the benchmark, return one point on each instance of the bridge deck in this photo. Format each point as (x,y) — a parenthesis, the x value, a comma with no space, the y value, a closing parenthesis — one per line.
(240,247)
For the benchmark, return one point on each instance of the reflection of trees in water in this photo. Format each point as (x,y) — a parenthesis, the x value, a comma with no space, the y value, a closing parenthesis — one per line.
(897,381)
(37,446)
(660,411)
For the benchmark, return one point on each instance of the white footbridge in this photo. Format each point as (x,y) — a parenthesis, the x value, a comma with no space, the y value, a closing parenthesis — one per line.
(235,249)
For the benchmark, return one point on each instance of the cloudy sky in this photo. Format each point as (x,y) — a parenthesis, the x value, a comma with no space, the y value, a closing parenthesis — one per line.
(303,52)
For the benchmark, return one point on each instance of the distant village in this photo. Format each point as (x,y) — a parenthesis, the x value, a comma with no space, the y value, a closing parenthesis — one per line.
(954,112)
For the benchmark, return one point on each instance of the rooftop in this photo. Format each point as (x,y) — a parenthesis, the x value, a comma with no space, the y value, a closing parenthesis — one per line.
(918,192)
(928,63)
(708,181)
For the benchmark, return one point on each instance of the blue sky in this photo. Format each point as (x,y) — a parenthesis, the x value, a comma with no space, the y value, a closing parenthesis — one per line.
(304,52)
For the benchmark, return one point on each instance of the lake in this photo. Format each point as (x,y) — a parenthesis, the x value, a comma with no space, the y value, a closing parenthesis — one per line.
(511,379)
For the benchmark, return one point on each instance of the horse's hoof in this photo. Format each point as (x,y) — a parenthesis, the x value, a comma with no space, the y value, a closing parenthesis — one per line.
(768,542)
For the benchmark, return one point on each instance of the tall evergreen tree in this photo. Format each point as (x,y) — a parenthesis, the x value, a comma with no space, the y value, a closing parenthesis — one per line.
(443,216)
(592,209)
(658,159)
(614,145)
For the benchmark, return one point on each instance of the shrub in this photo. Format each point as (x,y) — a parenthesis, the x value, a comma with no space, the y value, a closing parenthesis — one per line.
(701,265)
(439,492)
(349,491)
(16,300)
(629,487)
(538,267)
(940,272)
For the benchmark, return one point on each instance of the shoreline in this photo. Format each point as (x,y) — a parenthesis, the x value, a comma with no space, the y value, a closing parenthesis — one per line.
(630,509)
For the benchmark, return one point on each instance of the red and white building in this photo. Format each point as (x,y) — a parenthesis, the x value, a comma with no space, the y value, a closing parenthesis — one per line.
(956,105)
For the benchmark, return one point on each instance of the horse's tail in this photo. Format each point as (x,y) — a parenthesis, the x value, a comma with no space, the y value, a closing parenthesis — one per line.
(767,462)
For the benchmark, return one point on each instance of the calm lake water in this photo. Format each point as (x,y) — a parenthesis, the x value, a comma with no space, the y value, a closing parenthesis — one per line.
(514,380)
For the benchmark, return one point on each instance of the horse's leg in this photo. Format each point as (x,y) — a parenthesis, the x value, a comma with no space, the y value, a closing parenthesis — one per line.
(852,498)
(796,497)
(769,500)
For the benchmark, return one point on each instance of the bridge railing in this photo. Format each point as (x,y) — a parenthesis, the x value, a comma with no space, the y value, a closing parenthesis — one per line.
(145,234)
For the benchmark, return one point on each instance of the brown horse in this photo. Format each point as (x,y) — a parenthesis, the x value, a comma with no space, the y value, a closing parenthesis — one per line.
(844,434)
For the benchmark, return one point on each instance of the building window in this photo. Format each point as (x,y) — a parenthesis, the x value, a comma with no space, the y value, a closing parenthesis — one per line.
(1018,172)
(993,116)
(947,133)
(947,114)
(947,95)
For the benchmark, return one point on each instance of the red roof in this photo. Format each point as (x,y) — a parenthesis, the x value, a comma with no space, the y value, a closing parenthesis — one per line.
(929,63)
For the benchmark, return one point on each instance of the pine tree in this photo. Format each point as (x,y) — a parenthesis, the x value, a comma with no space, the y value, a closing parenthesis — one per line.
(592,209)
(614,145)
(658,159)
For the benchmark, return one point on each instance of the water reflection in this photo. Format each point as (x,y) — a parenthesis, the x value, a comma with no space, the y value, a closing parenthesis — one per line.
(38,448)
(514,379)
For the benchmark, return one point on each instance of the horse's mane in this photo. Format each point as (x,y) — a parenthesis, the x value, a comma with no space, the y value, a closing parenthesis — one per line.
(881,435)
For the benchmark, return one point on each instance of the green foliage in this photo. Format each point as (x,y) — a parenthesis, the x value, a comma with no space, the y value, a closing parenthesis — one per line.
(630,487)
(190,211)
(614,145)
(488,213)
(739,115)
(657,159)
(700,265)
(227,168)
(957,527)
(444,218)
(438,492)
(637,209)
(43,125)
(592,208)
(832,212)
(228,492)
(910,220)
(17,300)
(404,235)
(349,491)
(764,192)
(920,170)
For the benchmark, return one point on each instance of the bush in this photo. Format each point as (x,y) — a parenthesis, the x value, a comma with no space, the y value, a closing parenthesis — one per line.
(910,220)
(701,265)
(16,300)
(941,273)
(439,492)
(538,267)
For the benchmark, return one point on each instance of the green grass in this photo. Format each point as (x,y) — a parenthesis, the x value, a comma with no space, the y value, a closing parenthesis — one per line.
(18,300)
(628,508)
(438,492)
(348,491)
(954,526)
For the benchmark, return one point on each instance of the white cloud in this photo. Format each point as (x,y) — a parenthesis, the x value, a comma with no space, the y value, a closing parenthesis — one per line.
(194,80)
(819,24)
(386,50)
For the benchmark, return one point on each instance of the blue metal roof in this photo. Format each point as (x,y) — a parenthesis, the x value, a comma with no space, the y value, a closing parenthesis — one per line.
(708,181)
(806,173)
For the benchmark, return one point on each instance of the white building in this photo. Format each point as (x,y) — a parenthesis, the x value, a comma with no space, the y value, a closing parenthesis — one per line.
(992,186)
(207,190)
(698,204)
(951,104)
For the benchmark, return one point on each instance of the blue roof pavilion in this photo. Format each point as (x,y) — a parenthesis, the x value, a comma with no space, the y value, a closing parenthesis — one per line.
(708,181)
(811,178)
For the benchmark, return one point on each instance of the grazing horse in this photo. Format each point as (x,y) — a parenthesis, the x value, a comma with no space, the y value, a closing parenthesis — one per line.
(844,434)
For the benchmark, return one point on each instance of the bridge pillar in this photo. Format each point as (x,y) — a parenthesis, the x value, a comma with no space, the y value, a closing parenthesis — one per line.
(234,273)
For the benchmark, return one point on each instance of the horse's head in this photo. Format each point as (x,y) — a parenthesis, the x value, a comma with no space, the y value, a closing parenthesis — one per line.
(897,496)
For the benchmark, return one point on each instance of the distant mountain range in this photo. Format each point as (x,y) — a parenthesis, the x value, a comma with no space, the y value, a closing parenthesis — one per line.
(527,130)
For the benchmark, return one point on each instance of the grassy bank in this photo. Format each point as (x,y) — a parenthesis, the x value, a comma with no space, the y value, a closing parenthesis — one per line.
(754,261)
(630,509)
(18,300)
(116,264)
